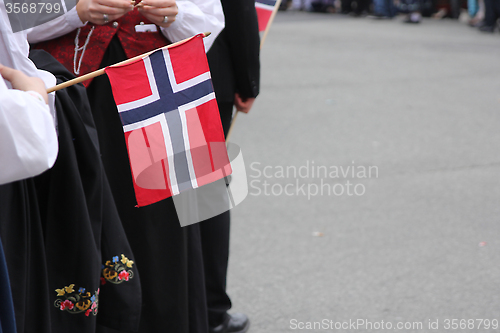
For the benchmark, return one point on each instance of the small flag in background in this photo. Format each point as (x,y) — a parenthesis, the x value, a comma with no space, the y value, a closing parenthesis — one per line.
(264,10)
(170,120)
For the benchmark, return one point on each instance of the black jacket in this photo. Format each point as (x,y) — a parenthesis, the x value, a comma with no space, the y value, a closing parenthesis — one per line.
(234,56)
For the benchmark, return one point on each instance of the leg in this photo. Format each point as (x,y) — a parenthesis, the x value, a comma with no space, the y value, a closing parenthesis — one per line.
(226,115)
(215,245)
(489,14)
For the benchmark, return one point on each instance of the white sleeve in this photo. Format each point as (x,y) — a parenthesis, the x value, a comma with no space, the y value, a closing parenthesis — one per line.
(194,17)
(28,139)
(57,27)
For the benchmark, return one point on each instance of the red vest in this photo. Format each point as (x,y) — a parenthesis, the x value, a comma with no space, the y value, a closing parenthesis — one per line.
(134,43)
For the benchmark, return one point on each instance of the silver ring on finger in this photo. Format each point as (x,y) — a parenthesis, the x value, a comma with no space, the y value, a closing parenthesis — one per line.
(105,18)
(165,19)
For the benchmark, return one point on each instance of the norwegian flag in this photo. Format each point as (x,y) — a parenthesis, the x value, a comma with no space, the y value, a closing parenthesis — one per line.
(264,10)
(170,120)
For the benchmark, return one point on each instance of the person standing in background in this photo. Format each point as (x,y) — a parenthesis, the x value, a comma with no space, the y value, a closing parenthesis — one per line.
(412,9)
(384,9)
(491,15)
(235,67)
(475,9)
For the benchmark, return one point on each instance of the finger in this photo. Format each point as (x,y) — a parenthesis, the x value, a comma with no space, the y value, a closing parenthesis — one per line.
(98,18)
(102,9)
(237,99)
(122,4)
(159,3)
(158,11)
(21,81)
(243,104)
(11,74)
(158,19)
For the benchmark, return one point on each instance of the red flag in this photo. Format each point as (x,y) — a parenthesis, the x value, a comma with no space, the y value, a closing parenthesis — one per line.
(264,10)
(171,121)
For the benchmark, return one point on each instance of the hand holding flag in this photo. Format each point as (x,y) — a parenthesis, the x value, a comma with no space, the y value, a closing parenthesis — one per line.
(266,10)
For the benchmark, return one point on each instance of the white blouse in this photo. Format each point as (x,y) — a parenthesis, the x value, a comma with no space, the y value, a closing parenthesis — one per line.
(28,139)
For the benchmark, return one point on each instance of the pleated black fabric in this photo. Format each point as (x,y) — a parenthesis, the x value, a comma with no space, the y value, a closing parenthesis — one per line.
(22,237)
(7,315)
(70,196)
(60,227)
(82,227)
(168,256)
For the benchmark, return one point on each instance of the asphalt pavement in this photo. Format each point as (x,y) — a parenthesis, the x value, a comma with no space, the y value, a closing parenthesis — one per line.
(373,161)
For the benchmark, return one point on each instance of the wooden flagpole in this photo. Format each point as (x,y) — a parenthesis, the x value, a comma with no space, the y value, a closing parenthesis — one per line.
(271,19)
(231,127)
(101,71)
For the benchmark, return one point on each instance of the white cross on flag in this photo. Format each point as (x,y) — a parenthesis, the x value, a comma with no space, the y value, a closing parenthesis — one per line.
(170,120)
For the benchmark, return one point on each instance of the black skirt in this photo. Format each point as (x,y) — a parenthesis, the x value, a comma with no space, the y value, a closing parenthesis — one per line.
(68,257)
(169,257)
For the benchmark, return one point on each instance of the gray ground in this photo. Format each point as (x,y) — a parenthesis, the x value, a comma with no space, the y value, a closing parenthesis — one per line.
(420,103)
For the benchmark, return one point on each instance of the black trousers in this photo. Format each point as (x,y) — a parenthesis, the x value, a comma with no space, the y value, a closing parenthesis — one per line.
(215,246)
(491,12)
(361,6)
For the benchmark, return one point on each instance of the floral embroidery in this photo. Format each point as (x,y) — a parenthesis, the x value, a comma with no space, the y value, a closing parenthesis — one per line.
(77,301)
(123,275)
(67,305)
(70,289)
(60,292)
(117,270)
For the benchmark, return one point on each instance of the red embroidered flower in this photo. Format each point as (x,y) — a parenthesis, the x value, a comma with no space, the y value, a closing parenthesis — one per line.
(67,304)
(103,281)
(123,275)
(88,312)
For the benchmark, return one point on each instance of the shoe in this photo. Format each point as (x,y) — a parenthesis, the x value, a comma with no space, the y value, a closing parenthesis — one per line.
(476,22)
(487,28)
(378,17)
(413,18)
(234,323)
(440,13)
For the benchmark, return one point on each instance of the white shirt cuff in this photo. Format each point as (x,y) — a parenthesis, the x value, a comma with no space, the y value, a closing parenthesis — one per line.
(73,19)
